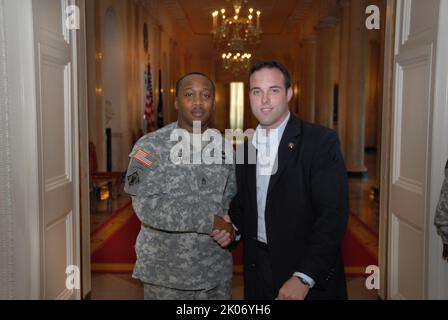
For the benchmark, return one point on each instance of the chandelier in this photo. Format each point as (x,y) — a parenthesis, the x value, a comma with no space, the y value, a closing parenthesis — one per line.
(235,34)
(236,63)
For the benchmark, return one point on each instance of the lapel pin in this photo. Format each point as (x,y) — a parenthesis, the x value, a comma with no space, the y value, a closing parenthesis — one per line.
(291,145)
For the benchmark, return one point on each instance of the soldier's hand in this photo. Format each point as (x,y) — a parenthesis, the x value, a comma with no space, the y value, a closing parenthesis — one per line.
(445,251)
(223,232)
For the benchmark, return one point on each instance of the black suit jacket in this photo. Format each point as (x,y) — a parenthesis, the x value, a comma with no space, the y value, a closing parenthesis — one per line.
(306,210)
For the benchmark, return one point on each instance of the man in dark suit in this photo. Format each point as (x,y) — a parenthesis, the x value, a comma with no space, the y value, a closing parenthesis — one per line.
(292,214)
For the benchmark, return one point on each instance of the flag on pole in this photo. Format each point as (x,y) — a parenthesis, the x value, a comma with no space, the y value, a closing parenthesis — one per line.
(149,104)
(160,104)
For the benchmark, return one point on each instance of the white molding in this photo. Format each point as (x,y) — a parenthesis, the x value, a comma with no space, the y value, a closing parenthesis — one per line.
(406,26)
(393,257)
(396,224)
(75,111)
(397,26)
(57,182)
(407,37)
(23,133)
(55,57)
(427,46)
(410,185)
(438,277)
(82,236)
(7,243)
(386,145)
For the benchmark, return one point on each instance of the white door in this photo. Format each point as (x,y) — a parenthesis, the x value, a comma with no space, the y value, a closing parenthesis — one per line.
(413,109)
(57,110)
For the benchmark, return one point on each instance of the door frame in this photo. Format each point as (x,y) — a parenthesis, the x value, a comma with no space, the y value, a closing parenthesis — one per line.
(77,45)
(386,144)
(83,152)
(437,276)
(437,272)
(21,96)
(23,132)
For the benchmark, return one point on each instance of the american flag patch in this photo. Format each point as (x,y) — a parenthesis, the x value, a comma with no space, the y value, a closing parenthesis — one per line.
(144,158)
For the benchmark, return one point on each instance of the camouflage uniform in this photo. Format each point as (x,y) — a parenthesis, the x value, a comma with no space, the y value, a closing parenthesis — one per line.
(220,292)
(176,205)
(441,218)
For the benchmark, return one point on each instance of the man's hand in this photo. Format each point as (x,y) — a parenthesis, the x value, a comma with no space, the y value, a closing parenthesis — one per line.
(445,251)
(293,289)
(223,231)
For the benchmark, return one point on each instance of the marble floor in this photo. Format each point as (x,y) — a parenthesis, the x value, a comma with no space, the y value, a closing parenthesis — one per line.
(363,204)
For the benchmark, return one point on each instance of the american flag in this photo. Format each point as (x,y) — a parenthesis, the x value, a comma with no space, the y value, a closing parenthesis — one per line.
(149,105)
(144,158)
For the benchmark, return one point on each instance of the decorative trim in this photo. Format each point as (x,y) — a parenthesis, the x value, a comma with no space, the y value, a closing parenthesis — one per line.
(7,284)
(386,149)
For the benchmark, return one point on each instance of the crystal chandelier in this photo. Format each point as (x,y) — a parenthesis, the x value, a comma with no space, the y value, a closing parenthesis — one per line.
(236,63)
(235,34)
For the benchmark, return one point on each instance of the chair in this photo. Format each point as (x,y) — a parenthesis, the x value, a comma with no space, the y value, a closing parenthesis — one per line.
(99,179)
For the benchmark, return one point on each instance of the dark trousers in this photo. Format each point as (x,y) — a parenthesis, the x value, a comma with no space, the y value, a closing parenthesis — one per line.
(264,288)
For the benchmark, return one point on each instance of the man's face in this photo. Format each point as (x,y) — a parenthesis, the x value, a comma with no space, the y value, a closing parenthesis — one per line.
(195,101)
(269,98)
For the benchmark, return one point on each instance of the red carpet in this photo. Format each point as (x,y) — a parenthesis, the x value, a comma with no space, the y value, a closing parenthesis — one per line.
(237,254)
(359,248)
(113,245)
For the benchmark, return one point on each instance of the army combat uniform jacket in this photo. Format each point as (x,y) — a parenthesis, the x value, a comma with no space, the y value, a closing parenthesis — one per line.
(441,218)
(176,204)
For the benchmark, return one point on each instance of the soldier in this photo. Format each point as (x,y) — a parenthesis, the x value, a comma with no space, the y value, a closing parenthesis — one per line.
(182,206)
(441,218)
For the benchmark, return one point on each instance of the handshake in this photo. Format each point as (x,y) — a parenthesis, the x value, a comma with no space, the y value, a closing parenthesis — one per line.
(223,232)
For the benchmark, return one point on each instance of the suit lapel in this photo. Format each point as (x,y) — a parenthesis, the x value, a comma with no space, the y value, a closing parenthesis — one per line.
(288,145)
(252,176)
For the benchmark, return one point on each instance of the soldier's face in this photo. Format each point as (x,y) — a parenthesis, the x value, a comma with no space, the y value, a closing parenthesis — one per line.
(195,101)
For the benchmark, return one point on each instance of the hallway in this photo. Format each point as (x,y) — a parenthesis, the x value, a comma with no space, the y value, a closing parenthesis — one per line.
(102,73)
(319,38)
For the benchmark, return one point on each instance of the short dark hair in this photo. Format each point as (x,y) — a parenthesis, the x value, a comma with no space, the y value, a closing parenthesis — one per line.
(272,64)
(179,82)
